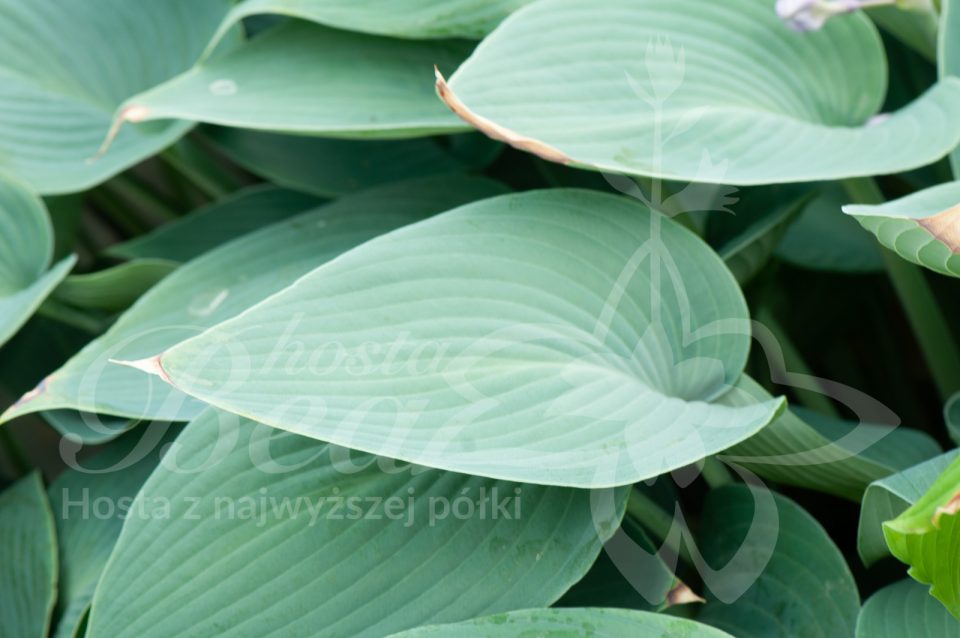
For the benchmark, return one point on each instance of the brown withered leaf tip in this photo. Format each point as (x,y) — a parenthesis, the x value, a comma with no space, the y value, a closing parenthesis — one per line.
(681,594)
(951,507)
(32,394)
(494,130)
(945,226)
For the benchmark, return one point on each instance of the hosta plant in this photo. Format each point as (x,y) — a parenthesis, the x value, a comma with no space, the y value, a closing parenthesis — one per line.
(479,318)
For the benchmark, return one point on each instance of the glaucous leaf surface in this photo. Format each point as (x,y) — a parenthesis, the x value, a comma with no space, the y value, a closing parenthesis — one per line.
(806,449)
(26,250)
(113,289)
(948,55)
(331,167)
(568,338)
(289,535)
(888,497)
(89,503)
(927,537)
(224,282)
(28,560)
(905,609)
(399,18)
(301,77)
(237,214)
(60,86)
(923,228)
(569,623)
(799,584)
(718,92)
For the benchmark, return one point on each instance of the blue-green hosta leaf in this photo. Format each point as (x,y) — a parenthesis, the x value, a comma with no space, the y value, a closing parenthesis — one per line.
(717,92)
(905,609)
(569,623)
(561,337)
(398,18)
(113,289)
(923,228)
(823,238)
(224,282)
(65,68)
(829,455)
(301,77)
(804,588)
(265,532)
(237,214)
(89,503)
(26,250)
(927,537)
(28,560)
(887,498)
(331,167)
(948,56)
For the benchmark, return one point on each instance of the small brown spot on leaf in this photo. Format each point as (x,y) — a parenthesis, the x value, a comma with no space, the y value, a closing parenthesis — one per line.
(945,226)
(132,113)
(494,130)
(32,394)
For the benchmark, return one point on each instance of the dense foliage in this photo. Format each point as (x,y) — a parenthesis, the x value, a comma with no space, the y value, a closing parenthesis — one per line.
(479,318)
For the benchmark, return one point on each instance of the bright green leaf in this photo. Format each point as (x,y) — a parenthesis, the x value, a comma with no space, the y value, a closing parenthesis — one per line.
(718,92)
(923,228)
(569,623)
(561,337)
(26,250)
(905,609)
(224,282)
(237,214)
(927,537)
(60,87)
(281,538)
(113,289)
(804,590)
(887,498)
(89,503)
(301,77)
(28,560)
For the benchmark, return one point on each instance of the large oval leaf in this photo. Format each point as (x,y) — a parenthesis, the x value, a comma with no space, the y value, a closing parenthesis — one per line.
(923,228)
(805,589)
(399,18)
(26,250)
(905,609)
(927,537)
(560,337)
(60,88)
(948,56)
(90,502)
(224,282)
(301,77)
(28,560)
(891,496)
(569,623)
(263,531)
(718,92)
